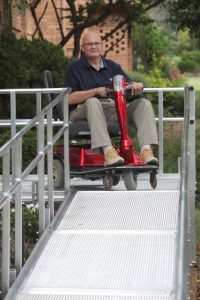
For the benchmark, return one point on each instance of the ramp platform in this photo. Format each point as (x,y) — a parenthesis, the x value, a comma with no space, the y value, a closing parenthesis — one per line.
(109,245)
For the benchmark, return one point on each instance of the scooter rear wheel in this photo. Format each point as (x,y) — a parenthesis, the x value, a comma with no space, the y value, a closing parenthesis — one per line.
(58,174)
(107,182)
(130,180)
(116,179)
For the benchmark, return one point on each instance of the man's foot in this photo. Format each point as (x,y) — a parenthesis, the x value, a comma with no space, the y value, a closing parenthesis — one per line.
(148,157)
(112,158)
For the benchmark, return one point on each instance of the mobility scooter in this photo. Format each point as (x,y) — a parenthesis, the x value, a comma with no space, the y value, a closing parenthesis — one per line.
(86,164)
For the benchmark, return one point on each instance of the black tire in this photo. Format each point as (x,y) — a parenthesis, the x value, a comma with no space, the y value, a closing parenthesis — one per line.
(58,173)
(107,182)
(130,180)
(153,180)
(116,179)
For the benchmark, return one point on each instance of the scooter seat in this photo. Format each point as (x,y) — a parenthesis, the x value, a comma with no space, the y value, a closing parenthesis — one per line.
(80,130)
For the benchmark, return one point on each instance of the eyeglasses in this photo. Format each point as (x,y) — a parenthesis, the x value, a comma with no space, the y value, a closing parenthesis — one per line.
(95,44)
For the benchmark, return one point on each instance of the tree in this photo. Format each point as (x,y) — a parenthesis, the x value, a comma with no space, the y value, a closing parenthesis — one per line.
(149,41)
(93,12)
(185,14)
(7,15)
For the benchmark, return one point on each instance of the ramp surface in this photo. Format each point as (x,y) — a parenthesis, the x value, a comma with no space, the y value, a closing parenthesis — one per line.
(109,245)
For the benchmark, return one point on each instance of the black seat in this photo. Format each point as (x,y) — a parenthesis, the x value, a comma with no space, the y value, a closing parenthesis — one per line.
(79,129)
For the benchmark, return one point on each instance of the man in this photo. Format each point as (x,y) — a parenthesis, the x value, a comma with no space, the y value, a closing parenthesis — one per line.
(89,101)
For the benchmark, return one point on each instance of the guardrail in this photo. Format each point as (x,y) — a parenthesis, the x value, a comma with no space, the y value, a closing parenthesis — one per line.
(12,183)
(186,228)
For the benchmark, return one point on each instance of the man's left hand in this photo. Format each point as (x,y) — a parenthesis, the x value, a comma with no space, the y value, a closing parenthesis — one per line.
(137,88)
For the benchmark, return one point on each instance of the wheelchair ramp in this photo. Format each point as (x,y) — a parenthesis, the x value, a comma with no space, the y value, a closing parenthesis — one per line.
(109,245)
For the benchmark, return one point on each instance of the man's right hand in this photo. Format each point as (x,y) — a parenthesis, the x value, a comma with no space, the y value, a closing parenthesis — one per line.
(101,91)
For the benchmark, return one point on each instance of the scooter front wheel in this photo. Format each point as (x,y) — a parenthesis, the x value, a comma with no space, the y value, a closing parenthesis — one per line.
(130,180)
(58,174)
(107,182)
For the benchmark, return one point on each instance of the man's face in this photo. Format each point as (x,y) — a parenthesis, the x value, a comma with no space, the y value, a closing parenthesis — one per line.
(92,45)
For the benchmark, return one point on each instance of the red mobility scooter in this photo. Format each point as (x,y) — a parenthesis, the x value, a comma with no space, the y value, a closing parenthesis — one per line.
(87,164)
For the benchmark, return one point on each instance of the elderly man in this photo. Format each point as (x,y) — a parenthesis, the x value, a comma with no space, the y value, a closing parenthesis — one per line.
(88,76)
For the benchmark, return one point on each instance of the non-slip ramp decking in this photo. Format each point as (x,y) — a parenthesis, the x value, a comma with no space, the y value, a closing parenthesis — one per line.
(109,245)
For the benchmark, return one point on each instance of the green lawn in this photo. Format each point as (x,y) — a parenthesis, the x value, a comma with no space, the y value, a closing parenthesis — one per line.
(194,81)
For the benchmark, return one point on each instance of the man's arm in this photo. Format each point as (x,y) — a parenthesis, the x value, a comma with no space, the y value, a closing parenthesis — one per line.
(81,96)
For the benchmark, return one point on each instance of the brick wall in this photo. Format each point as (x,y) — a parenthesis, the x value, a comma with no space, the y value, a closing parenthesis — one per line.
(25,26)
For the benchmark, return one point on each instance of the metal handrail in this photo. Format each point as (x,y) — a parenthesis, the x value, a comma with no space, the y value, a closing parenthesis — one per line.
(15,187)
(160,119)
(185,253)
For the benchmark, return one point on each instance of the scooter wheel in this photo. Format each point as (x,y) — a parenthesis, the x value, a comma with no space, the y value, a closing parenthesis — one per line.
(107,182)
(116,179)
(130,180)
(58,174)
(153,180)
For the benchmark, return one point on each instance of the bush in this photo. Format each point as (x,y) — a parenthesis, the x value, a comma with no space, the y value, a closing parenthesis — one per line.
(22,63)
(188,65)
(190,61)
(29,147)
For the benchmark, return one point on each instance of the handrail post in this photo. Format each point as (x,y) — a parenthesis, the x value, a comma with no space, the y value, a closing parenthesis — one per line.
(50,164)
(160,129)
(6,226)
(182,280)
(66,146)
(192,176)
(40,135)
(13,127)
(18,206)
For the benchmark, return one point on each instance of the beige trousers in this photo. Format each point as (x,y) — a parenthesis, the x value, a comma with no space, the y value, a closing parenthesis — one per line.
(97,112)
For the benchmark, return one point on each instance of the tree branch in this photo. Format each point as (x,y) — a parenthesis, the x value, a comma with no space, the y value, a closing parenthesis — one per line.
(37,22)
(58,19)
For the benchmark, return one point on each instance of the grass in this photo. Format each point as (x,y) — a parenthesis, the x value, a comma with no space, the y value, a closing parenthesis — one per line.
(194,81)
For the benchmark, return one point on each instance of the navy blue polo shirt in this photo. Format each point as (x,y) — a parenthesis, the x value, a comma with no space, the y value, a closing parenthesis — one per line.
(80,75)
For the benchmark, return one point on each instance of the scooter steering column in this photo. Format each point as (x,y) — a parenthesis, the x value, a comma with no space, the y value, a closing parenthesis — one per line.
(120,104)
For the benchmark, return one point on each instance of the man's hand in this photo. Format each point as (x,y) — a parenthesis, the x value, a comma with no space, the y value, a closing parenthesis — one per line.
(101,91)
(137,88)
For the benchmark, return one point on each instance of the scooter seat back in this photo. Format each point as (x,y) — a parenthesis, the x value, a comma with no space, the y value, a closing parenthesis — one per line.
(79,129)
(58,113)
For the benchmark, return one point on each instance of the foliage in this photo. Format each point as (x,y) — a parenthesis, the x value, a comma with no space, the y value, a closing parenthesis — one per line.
(30,227)
(188,65)
(190,61)
(29,147)
(149,40)
(22,63)
(183,41)
(185,14)
(172,151)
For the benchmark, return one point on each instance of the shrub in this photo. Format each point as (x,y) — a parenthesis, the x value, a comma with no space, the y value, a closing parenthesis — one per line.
(22,63)
(29,147)
(188,65)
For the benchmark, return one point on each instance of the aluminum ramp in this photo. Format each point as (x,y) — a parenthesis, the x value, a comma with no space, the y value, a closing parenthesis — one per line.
(109,245)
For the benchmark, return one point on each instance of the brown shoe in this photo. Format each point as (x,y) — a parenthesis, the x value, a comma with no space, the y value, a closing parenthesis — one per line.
(148,157)
(112,158)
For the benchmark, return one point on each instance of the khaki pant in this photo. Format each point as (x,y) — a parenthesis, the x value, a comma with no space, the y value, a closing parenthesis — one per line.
(97,112)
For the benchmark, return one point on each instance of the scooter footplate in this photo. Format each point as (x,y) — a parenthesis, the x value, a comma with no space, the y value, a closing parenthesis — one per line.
(114,169)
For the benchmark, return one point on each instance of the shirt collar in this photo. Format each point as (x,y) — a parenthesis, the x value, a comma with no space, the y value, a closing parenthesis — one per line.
(84,61)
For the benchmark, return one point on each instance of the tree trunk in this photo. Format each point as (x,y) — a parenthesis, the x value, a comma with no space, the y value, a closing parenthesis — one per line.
(7,15)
